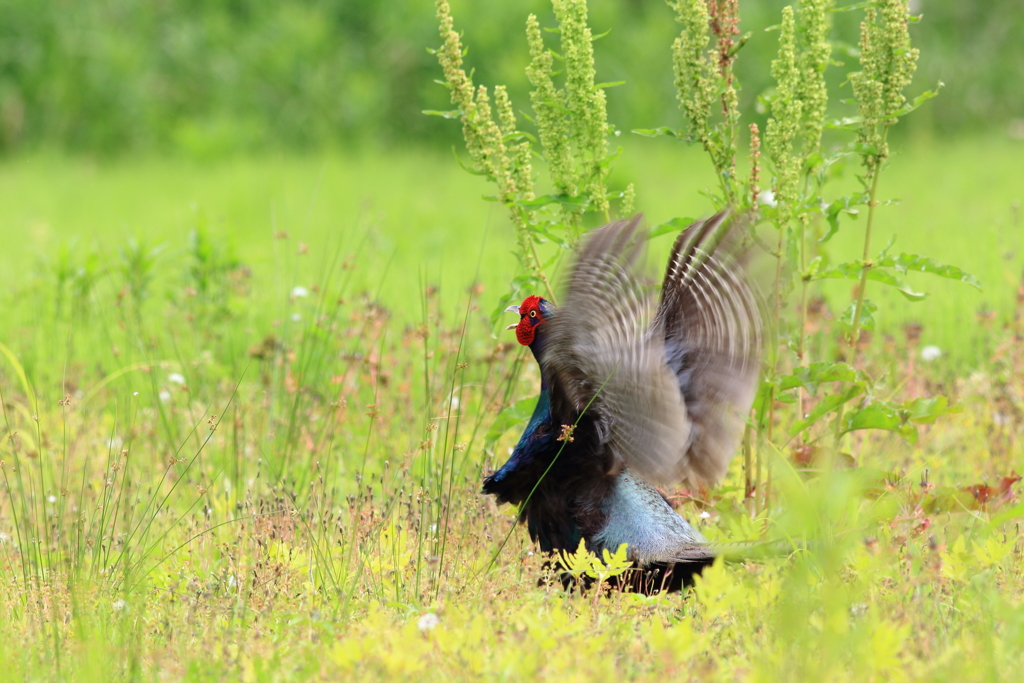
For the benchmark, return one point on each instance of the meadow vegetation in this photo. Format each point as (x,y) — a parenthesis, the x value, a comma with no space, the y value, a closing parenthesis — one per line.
(248,404)
(204,79)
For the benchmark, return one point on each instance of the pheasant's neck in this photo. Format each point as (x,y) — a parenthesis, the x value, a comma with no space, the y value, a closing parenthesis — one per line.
(537,347)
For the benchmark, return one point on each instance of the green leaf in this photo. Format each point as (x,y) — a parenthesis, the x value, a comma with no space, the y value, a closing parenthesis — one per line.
(740,43)
(665,131)
(832,211)
(541,235)
(674,225)
(815,374)
(867,317)
(878,415)
(517,413)
(885,250)
(828,404)
(453,114)
(762,400)
(527,283)
(894,417)
(464,167)
(853,270)
(850,123)
(578,203)
(926,410)
(905,263)
(888,278)
(850,8)
(920,99)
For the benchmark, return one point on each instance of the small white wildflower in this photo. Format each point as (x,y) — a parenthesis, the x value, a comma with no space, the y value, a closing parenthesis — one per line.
(231,581)
(930,353)
(3,537)
(296,317)
(433,528)
(135,393)
(704,514)
(767,198)
(300,291)
(455,401)
(428,622)
(165,396)
(51,498)
(176,377)
(119,605)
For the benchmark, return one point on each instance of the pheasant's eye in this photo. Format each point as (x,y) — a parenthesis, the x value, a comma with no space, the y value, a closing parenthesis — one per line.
(533,314)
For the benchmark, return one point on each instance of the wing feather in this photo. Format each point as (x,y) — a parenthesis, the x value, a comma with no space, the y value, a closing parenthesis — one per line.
(667,385)
(712,325)
(602,350)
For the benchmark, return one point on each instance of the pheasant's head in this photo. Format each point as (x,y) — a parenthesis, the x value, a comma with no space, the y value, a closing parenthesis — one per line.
(532,312)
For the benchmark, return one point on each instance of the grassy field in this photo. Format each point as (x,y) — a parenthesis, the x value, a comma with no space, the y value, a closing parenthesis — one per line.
(248,404)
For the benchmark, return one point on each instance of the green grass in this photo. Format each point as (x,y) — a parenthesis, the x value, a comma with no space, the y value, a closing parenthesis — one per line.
(248,484)
(956,205)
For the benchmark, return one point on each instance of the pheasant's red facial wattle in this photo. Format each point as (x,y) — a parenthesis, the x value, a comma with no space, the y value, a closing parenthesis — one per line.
(531,315)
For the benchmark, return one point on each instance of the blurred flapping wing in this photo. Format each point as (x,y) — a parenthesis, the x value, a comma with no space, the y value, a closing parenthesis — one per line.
(602,351)
(712,331)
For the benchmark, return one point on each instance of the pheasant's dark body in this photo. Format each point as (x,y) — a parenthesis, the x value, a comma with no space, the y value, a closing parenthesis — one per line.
(646,404)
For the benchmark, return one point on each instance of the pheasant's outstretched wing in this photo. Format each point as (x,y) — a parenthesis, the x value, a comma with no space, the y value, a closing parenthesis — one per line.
(667,388)
(601,351)
(712,330)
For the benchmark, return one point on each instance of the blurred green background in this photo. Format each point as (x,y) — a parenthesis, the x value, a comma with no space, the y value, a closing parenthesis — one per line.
(207,77)
(144,120)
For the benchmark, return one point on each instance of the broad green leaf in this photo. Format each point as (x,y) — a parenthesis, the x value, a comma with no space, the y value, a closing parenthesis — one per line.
(888,278)
(906,263)
(852,271)
(877,415)
(882,415)
(541,234)
(674,225)
(832,211)
(828,404)
(811,376)
(927,410)
(516,414)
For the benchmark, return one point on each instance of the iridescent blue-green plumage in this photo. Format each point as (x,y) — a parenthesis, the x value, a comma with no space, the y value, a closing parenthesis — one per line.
(653,395)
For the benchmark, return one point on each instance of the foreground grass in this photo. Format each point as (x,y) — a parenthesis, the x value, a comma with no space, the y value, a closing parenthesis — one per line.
(247,459)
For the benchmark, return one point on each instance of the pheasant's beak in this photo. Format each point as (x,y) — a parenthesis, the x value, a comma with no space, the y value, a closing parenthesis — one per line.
(512,309)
